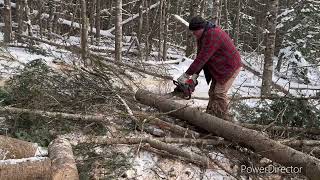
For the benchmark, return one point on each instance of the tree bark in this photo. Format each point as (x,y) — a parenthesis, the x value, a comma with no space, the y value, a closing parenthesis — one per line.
(281,128)
(258,142)
(140,21)
(118,25)
(237,24)
(63,163)
(29,24)
(202,7)
(190,40)
(166,24)
(56,115)
(11,148)
(161,29)
(26,169)
(19,14)
(98,23)
(167,126)
(84,33)
(104,140)
(215,12)
(52,10)
(92,18)
(270,45)
(7,21)
(226,16)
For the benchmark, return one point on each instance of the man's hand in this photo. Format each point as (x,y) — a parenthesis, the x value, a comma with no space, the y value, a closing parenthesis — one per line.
(194,78)
(183,78)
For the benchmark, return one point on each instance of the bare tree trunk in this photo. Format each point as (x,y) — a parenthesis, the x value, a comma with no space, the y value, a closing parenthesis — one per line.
(63,163)
(92,18)
(237,24)
(161,29)
(140,21)
(270,45)
(19,14)
(26,169)
(202,7)
(147,31)
(56,16)
(98,23)
(84,33)
(118,40)
(190,41)
(166,24)
(52,9)
(11,148)
(215,12)
(7,21)
(29,24)
(252,139)
(226,14)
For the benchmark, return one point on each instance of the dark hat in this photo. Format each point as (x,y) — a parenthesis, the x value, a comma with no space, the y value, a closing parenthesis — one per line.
(197,23)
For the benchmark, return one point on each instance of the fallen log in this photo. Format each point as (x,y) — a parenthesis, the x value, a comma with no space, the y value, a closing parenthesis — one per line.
(168,126)
(26,168)
(300,143)
(255,140)
(104,140)
(55,115)
(11,148)
(281,128)
(63,163)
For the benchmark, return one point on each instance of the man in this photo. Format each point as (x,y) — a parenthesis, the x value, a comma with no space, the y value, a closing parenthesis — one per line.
(220,60)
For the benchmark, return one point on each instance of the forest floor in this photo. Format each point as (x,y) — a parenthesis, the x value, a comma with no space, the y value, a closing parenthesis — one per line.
(96,161)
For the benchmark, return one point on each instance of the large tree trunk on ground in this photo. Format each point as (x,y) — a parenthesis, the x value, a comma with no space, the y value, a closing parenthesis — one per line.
(63,163)
(11,148)
(56,115)
(25,169)
(258,142)
(282,128)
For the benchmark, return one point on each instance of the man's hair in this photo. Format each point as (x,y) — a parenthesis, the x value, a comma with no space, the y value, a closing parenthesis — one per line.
(197,23)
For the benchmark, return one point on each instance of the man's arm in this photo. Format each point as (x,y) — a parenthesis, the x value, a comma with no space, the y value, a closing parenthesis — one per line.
(210,44)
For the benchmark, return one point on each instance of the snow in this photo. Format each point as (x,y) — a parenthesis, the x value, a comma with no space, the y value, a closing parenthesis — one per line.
(147,165)
(16,161)
(181,20)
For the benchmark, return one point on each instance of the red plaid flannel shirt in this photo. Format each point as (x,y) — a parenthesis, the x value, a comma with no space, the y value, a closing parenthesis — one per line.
(219,53)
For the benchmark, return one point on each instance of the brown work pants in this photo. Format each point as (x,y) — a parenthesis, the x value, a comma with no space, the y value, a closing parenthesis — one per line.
(218,99)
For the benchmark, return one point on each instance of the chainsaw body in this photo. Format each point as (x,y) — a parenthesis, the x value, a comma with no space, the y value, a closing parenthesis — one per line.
(184,90)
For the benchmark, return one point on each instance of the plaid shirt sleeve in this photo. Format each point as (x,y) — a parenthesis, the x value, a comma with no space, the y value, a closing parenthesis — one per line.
(210,44)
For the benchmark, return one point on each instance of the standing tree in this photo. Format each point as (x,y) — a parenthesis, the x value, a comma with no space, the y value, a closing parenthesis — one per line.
(270,45)
(97,24)
(215,12)
(7,21)
(118,25)
(84,32)
(189,39)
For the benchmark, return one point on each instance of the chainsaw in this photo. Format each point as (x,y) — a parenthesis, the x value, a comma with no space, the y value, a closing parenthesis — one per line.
(184,90)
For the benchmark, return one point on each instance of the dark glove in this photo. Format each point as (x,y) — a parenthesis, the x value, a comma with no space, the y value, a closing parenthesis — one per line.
(183,78)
